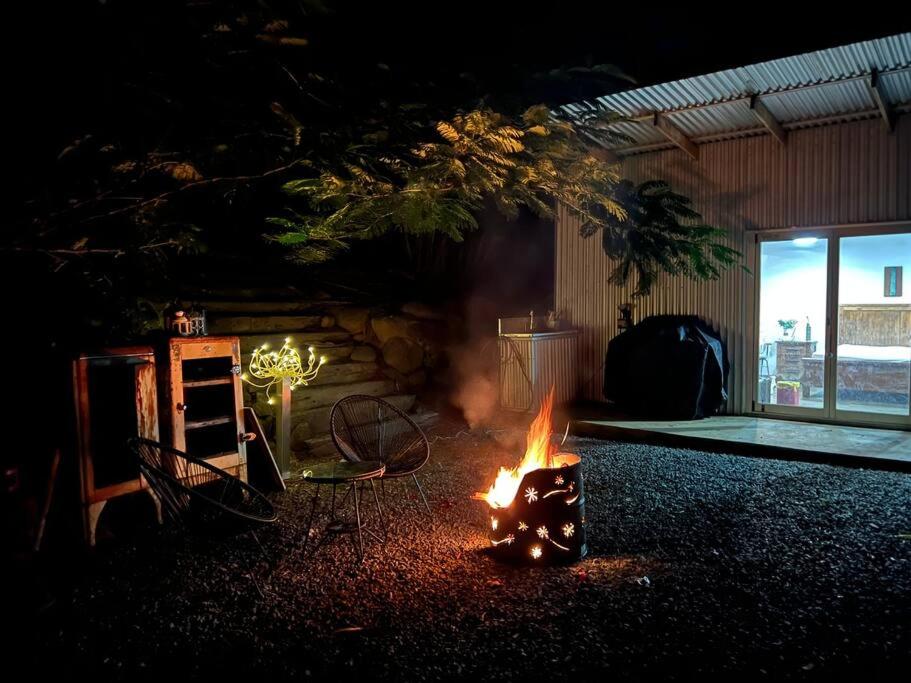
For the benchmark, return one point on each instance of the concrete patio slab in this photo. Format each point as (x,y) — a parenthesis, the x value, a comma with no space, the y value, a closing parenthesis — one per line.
(789,439)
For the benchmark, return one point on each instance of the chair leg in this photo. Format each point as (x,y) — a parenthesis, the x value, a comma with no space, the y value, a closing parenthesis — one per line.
(310,519)
(360,534)
(421,491)
(251,570)
(262,550)
(345,498)
(379,511)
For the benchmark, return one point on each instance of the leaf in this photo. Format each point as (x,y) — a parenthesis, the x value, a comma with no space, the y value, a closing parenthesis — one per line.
(282,41)
(291,238)
(291,123)
(276,26)
(376,138)
(184,172)
(449,133)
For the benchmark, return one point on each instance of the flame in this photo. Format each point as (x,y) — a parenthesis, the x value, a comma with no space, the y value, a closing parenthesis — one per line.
(538,455)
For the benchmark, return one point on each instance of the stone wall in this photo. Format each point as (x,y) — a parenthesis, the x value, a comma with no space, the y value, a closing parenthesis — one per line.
(388,351)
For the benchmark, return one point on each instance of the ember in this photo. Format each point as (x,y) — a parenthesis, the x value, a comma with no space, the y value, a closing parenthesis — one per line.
(546,523)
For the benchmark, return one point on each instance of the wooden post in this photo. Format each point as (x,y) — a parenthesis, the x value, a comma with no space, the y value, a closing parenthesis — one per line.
(283,430)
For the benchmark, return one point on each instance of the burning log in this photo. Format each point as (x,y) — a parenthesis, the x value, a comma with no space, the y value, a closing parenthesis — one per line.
(537,509)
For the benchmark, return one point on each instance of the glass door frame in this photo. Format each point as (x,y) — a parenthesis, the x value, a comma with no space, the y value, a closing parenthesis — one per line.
(829,411)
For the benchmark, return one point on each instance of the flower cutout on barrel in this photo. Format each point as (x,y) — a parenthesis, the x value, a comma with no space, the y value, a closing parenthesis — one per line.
(274,367)
(536,508)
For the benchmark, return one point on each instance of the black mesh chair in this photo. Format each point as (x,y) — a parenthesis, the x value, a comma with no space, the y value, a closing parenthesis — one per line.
(199,495)
(366,428)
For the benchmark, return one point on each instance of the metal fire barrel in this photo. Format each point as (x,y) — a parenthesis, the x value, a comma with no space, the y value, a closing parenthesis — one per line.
(545,523)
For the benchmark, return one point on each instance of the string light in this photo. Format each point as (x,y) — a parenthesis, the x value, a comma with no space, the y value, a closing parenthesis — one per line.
(273,367)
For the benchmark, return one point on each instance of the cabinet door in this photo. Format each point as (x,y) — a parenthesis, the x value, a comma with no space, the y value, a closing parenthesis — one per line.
(207,401)
(116,400)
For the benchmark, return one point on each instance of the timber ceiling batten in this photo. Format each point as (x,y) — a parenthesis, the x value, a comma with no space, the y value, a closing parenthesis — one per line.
(767,119)
(882,103)
(675,135)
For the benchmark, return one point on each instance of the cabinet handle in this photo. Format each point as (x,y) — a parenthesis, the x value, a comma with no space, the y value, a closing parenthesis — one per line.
(181,407)
(247,436)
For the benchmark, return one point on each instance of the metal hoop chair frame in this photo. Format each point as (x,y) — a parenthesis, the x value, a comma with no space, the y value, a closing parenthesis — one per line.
(195,493)
(363,428)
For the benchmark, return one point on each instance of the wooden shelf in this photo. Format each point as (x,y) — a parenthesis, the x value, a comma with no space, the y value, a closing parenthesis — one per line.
(221,454)
(211,422)
(189,384)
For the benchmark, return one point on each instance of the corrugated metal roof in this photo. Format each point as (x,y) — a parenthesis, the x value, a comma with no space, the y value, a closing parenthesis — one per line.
(803,90)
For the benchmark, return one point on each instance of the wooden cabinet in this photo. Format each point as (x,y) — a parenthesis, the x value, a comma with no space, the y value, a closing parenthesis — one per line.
(116,399)
(205,401)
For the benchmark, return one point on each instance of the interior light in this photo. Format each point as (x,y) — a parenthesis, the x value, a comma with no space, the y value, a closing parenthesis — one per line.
(805,241)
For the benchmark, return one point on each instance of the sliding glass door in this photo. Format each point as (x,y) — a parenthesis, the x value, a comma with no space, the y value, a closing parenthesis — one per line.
(793,299)
(873,356)
(832,330)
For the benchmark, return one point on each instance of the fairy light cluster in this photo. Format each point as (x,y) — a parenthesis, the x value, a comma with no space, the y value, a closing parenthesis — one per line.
(273,367)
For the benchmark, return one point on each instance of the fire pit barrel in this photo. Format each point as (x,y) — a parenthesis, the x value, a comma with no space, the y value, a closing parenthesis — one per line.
(545,523)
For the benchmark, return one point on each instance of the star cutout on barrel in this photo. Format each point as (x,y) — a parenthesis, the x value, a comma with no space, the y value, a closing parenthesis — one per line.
(531,494)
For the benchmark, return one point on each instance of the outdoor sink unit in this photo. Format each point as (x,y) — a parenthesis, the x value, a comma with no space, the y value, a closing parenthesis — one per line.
(532,360)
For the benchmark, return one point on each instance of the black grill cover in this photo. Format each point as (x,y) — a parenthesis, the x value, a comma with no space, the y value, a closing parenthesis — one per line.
(669,367)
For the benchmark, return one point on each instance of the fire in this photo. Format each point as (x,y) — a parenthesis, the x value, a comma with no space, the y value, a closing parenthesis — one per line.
(538,455)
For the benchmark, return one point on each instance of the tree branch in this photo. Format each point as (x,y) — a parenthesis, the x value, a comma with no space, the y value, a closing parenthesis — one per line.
(195,185)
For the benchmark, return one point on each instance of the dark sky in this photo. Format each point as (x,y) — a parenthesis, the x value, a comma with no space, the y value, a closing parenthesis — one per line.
(53,43)
(650,41)
(59,56)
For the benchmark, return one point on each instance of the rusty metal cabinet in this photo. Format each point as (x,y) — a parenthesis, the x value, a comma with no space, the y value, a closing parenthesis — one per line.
(205,401)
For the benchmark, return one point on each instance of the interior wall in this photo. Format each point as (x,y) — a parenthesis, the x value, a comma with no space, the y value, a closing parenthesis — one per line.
(834,175)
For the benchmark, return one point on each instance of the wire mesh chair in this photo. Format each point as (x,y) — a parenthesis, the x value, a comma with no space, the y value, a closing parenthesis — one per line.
(366,428)
(191,489)
(197,494)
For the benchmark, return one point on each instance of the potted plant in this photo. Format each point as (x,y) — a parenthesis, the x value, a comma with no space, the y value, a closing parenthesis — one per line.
(787,328)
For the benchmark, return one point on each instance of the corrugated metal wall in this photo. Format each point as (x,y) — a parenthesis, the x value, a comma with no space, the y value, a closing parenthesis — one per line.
(834,175)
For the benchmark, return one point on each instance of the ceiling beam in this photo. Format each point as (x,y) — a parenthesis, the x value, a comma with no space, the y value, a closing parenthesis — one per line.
(882,103)
(675,135)
(866,114)
(767,119)
(648,117)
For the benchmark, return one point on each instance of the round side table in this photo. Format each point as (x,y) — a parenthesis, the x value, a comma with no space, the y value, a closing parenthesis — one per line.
(351,476)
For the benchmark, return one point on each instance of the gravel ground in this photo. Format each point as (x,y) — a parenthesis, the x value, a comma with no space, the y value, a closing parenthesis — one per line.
(699,565)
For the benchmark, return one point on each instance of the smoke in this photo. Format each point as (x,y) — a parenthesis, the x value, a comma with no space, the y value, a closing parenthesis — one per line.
(475,380)
(477,398)
(510,271)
